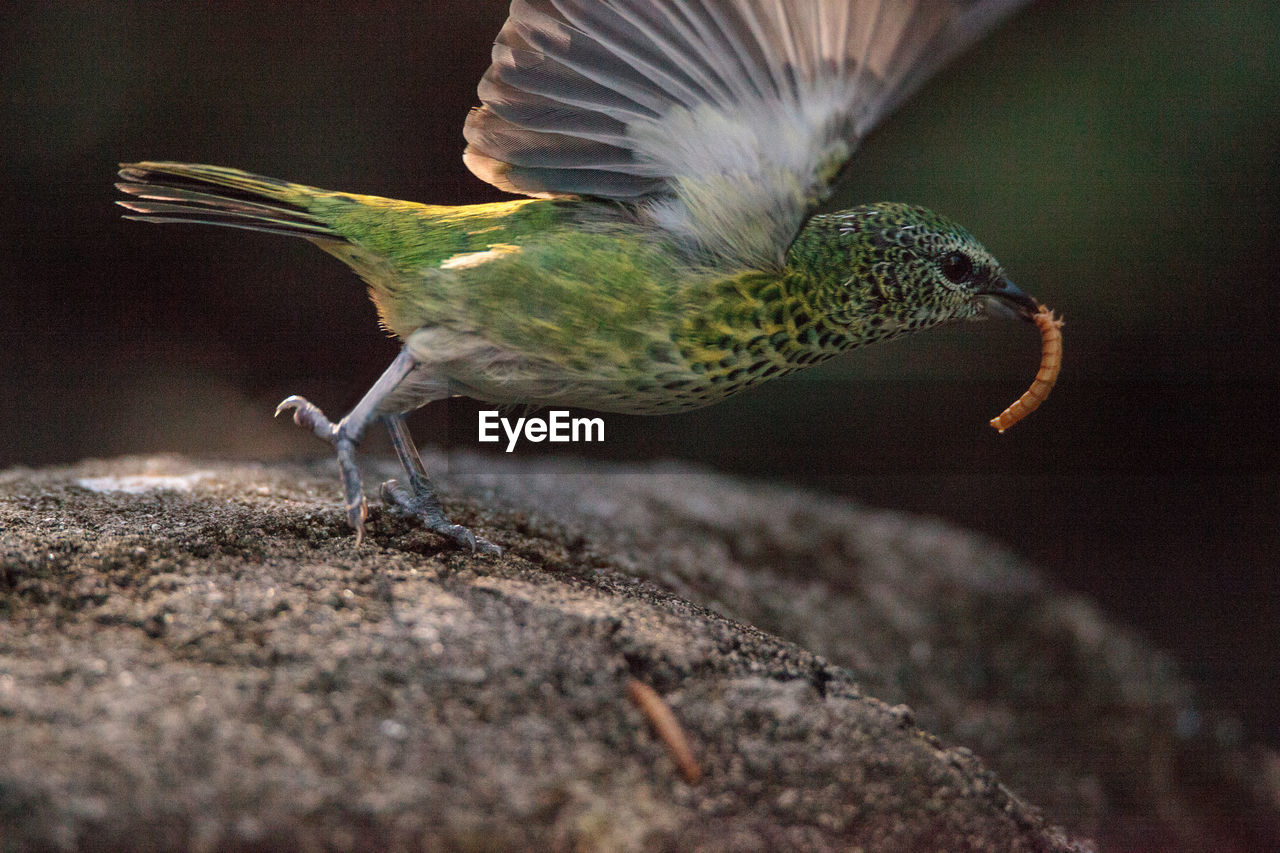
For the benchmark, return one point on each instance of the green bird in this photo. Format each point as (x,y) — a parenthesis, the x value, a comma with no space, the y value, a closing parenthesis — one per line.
(670,254)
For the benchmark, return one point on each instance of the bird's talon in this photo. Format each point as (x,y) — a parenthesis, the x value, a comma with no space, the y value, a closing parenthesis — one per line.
(423,506)
(395,497)
(307,414)
(484,546)
(287,403)
(462,536)
(357,513)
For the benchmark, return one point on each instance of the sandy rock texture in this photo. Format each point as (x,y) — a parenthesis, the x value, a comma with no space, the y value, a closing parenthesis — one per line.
(193,656)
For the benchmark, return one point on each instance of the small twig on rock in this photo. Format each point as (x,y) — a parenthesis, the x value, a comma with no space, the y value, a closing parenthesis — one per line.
(664,722)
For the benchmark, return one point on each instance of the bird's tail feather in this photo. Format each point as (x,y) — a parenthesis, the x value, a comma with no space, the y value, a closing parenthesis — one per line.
(214,195)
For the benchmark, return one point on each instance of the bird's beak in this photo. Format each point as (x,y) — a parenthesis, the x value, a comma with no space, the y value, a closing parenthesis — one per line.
(1007,300)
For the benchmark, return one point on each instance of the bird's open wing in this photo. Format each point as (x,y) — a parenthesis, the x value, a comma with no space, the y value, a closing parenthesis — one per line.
(724,121)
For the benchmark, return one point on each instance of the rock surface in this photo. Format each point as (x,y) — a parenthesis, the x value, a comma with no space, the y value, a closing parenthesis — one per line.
(194,656)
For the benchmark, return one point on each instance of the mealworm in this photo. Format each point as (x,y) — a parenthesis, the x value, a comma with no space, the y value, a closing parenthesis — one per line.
(664,722)
(1050,362)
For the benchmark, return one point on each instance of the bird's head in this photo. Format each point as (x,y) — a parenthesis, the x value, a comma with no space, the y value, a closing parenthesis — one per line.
(904,268)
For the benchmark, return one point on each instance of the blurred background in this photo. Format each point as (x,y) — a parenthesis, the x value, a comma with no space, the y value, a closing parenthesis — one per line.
(1120,158)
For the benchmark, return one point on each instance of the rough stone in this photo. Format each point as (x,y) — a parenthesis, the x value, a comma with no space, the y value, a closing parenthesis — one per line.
(193,656)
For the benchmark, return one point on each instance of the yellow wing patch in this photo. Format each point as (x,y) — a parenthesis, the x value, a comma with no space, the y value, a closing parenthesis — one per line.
(465,260)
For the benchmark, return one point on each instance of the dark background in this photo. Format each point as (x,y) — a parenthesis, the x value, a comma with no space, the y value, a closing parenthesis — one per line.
(1119,157)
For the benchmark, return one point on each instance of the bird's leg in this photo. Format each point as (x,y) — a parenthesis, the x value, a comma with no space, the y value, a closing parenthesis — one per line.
(419,499)
(346,433)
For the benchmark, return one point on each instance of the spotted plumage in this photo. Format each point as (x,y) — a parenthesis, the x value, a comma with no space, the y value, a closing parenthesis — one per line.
(672,256)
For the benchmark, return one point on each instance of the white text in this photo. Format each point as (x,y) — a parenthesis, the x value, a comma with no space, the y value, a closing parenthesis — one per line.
(556,427)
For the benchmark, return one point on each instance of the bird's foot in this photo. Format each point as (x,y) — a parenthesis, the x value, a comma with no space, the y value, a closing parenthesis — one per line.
(306,414)
(419,501)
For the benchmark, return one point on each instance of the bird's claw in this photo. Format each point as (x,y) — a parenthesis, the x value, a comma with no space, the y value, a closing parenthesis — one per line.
(418,499)
(422,504)
(356,514)
(307,414)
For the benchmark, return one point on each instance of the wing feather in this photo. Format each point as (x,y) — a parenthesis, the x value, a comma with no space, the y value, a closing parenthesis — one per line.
(722,121)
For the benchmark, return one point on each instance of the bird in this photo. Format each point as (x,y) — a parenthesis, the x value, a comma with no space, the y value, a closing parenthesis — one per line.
(669,248)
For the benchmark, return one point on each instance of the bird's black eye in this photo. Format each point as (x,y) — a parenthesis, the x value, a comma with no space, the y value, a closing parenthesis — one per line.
(957,267)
